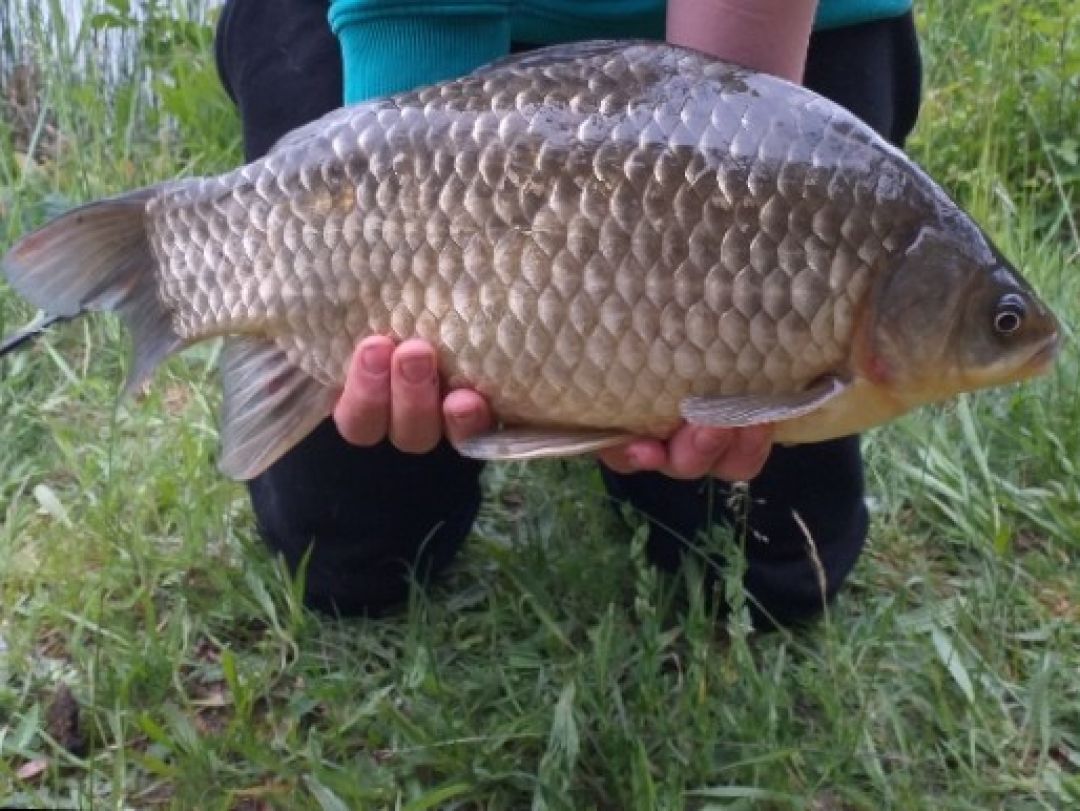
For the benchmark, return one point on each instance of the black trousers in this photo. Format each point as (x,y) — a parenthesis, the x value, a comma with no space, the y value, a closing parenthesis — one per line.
(372,516)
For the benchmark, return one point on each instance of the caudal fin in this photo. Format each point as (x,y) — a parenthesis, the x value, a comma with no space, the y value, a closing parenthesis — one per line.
(97,257)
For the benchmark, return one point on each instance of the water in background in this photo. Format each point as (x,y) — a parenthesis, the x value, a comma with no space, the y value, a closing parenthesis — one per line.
(104,36)
(141,69)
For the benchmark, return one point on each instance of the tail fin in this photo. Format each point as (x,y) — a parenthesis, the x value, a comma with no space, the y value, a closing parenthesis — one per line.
(97,257)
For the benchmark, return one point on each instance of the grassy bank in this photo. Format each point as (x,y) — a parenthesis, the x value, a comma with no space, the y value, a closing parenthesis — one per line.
(151,654)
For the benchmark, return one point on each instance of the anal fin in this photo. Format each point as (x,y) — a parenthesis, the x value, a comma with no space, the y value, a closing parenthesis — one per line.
(270,404)
(733,411)
(538,443)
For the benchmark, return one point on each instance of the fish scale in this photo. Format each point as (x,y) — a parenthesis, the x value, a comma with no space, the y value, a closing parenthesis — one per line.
(613,236)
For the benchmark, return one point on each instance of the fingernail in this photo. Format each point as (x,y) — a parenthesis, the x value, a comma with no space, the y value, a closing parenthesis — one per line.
(633,460)
(709,442)
(417,370)
(375,359)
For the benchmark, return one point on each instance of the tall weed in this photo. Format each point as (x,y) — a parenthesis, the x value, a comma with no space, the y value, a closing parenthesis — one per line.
(1000,125)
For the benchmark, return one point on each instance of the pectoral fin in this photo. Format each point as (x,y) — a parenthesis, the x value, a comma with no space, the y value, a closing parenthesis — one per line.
(269,405)
(538,443)
(754,409)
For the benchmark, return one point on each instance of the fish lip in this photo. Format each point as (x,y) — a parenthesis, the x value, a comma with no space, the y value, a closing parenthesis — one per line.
(1044,353)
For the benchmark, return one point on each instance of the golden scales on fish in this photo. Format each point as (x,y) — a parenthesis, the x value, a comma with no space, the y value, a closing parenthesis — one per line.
(602,238)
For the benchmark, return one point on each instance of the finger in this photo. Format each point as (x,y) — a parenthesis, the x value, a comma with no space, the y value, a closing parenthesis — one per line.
(362,413)
(415,416)
(695,449)
(747,454)
(635,456)
(467,414)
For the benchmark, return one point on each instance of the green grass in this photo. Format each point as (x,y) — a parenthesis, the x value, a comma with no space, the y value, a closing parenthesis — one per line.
(553,667)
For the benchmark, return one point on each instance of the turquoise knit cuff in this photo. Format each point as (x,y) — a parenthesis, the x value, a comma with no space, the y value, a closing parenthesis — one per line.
(839,13)
(386,52)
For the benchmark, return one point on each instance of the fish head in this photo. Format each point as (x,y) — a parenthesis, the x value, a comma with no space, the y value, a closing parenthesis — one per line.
(954,315)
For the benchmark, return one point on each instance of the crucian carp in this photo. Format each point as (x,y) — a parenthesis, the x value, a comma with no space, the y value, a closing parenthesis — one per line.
(604,239)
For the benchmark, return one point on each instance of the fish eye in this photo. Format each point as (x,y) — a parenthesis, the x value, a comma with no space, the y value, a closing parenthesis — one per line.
(1009,314)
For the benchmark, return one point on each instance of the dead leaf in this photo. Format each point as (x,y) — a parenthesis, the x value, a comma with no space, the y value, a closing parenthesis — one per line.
(62,721)
(176,398)
(32,769)
(214,697)
(50,502)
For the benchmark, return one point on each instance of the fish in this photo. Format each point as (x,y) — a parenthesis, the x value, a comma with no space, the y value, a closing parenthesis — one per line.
(605,239)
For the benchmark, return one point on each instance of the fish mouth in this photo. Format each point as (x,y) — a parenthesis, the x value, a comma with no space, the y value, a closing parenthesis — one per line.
(1043,355)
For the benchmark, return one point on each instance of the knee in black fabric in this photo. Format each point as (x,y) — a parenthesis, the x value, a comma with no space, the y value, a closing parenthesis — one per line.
(807,528)
(794,566)
(677,511)
(369,519)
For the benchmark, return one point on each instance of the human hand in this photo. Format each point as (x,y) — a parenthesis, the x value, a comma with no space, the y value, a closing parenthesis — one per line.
(694,451)
(394,391)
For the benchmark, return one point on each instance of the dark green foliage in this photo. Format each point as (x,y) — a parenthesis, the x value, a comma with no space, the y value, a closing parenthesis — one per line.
(1004,80)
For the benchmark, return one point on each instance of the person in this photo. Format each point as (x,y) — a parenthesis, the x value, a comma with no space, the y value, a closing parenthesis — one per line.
(377,494)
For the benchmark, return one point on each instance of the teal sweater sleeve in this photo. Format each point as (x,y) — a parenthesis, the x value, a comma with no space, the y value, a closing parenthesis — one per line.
(389,47)
(393,45)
